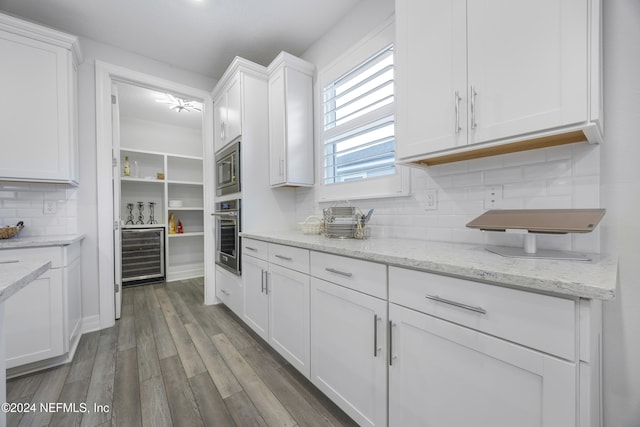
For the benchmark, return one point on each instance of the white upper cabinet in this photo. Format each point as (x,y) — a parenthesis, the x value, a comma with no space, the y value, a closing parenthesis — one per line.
(38,82)
(227,113)
(478,78)
(290,121)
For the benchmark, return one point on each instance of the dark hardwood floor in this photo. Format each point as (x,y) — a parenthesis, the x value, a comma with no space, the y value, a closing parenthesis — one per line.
(170,360)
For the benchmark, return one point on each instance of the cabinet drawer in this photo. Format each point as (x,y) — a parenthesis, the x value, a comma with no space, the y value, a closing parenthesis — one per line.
(255,248)
(363,276)
(290,257)
(53,253)
(539,321)
(229,290)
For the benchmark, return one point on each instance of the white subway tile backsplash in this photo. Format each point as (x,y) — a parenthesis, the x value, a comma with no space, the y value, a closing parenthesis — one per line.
(525,157)
(25,202)
(556,177)
(502,176)
(467,179)
(560,168)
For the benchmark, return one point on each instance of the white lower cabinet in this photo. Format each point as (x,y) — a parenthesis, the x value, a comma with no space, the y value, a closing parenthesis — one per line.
(446,375)
(349,350)
(256,299)
(35,314)
(229,290)
(401,347)
(289,315)
(43,320)
(276,301)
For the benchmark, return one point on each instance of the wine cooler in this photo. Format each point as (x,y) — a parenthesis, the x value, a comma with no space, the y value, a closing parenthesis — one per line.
(143,256)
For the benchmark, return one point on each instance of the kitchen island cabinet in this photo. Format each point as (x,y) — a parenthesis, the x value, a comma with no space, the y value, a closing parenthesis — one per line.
(43,320)
(39,77)
(14,276)
(510,76)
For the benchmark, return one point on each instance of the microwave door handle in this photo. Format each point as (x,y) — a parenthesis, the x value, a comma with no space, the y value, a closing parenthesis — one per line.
(233,168)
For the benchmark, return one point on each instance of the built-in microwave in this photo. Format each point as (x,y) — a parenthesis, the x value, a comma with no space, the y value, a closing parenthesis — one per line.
(228,170)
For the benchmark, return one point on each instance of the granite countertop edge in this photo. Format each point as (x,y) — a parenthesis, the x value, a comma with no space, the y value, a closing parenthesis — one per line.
(17,275)
(593,280)
(40,241)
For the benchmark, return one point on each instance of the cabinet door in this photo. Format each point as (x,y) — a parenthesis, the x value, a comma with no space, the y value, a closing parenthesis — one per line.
(73,298)
(219,119)
(431,80)
(35,80)
(229,290)
(348,350)
(277,126)
(256,300)
(444,375)
(289,315)
(527,65)
(233,126)
(34,321)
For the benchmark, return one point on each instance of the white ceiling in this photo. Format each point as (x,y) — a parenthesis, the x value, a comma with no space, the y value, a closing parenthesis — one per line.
(197,35)
(140,103)
(202,36)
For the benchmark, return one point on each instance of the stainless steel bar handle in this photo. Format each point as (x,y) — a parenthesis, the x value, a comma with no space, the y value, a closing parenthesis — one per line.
(225,214)
(375,335)
(341,273)
(474,94)
(457,100)
(261,280)
(286,258)
(251,248)
(224,291)
(266,282)
(391,356)
(457,304)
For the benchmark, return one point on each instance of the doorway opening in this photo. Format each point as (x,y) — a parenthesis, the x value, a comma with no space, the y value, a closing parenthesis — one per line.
(152,204)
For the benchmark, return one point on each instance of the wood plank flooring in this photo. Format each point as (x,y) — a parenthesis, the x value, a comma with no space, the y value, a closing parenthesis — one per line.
(172,361)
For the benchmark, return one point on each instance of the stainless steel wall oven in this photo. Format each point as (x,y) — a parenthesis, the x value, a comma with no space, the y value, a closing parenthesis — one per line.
(228,235)
(228,170)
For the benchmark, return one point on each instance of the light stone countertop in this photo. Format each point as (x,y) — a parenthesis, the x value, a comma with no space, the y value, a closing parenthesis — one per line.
(15,275)
(40,241)
(595,279)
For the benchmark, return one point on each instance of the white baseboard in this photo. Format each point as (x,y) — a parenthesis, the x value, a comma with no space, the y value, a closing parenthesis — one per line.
(91,323)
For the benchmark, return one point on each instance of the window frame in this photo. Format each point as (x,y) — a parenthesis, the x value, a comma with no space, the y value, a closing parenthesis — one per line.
(395,185)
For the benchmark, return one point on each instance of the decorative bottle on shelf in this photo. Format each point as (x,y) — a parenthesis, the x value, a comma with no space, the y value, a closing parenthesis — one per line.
(172,224)
(180,230)
(126,170)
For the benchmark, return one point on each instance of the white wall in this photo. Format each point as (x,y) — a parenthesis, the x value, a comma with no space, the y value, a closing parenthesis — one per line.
(87,197)
(620,194)
(160,137)
(574,176)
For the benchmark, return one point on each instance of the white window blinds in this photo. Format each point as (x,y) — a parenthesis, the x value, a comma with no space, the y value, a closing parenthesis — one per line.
(359,132)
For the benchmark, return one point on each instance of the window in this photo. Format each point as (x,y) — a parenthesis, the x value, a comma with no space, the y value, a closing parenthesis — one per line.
(358,126)
(355,123)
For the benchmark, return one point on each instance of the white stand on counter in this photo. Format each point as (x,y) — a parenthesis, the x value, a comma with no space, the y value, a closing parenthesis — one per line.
(530,222)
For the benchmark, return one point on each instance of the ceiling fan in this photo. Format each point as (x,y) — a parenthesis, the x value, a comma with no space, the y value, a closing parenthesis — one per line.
(179,105)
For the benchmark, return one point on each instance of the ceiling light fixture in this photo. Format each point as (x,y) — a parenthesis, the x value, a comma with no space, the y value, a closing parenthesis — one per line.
(179,105)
